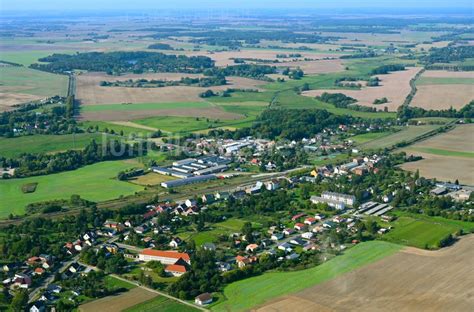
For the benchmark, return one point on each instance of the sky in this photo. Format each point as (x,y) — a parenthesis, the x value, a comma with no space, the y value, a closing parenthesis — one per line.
(66,5)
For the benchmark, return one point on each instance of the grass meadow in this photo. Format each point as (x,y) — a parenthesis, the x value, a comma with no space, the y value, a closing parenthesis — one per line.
(94,182)
(422,231)
(248,293)
(13,147)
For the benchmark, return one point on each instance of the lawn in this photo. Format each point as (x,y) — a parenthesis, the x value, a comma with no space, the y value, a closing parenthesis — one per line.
(29,81)
(13,147)
(245,294)
(114,283)
(161,304)
(405,135)
(423,231)
(95,182)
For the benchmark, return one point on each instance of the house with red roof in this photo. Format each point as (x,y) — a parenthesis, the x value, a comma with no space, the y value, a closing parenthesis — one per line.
(175,269)
(300,226)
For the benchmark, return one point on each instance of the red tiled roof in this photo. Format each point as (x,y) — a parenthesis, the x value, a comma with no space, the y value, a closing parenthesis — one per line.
(176,268)
(166,254)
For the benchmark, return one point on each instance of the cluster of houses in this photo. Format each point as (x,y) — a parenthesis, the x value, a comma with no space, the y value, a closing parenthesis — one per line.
(22,275)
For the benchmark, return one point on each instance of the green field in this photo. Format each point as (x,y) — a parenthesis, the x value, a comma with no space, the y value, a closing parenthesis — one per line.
(245,294)
(13,147)
(442,152)
(161,304)
(94,182)
(370,136)
(423,231)
(25,58)
(115,283)
(435,80)
(102,125)
(406,134)
(289,99)
(222,228)
(34,82)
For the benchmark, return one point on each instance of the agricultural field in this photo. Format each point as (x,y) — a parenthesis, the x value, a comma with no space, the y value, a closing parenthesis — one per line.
(422,231)
(126,103)
(437,89)
(409,280)
(151,179)
(94,182)
(254,291)
(394,86)
(13,147)
(405,135)
(161,304)
(119,303)
(448,156)
(20,85)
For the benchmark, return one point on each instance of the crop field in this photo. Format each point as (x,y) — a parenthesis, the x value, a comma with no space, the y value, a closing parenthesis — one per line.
(89,91)
(13,147)
(394,86)
(406,134)
(115,283)
(422,231)
(439,89)
(254,291)
(161,304)
(20,84)
(410,280)
(120,302)
(316,67)
(449,93)
(448,156)
(94,182)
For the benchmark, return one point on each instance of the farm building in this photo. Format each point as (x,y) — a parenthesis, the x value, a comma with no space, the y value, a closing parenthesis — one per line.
(165,257)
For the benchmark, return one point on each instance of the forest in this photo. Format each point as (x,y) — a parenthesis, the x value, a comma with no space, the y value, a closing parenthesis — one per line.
(123,62)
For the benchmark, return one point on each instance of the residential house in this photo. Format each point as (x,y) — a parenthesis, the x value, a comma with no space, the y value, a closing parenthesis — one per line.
(307,235)
(300,226)
(208,198)
(222,195)
(277,236)
(38,306)
(310,221)
(190,202)
(22,280)
(209,246)
(175,242)
(175,269)
(286,247)
(288,231)
(243,261)
(203,299)
(251,248)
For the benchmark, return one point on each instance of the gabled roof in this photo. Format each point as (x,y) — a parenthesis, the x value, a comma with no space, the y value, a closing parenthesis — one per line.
(176,268)
(166,254)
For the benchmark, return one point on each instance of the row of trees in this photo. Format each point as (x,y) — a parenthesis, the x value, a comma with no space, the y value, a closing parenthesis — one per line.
(40,164)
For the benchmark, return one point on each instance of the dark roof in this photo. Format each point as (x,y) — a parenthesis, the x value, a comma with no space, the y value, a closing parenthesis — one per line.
(204,297)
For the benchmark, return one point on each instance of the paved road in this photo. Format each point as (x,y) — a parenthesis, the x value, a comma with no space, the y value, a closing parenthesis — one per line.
(160,293)
(33,294)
